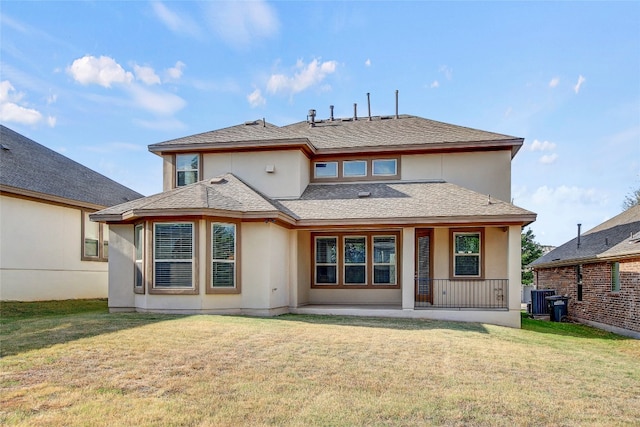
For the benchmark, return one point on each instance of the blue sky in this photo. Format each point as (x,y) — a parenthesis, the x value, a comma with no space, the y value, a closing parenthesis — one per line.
(99,81)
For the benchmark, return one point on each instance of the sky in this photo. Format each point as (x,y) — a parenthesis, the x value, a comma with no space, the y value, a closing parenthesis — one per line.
(99,81)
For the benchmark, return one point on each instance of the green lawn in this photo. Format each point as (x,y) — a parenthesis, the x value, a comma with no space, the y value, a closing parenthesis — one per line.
(72,363)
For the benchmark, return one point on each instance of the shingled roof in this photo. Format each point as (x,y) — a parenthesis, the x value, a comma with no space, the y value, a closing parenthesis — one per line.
(616,238)
(29,168)
(343,135)
(331,204)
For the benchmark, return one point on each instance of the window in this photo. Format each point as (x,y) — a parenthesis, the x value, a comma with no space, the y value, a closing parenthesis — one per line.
(385,167)
(351,168)
(355,260)
(384,260)
(326,256)
(187,166)
(173,255)
(138,241)
(326,169)
(467,248)
(95,239)
(223,255)
(615,276)
(579,281)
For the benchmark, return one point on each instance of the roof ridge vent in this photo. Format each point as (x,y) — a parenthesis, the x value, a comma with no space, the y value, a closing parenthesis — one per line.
(218,180)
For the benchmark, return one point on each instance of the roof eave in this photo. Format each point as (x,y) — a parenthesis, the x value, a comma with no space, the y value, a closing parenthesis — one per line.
(501,220)
(50,198)
(302,144)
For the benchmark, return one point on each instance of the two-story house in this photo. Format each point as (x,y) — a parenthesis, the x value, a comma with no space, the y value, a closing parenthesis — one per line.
(384,216)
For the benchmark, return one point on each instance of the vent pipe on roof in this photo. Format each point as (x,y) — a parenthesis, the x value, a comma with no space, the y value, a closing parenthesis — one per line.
(264,122)
(312,114)
(369,105)
(579,226)
(397,117)
(355,111)
(331,114)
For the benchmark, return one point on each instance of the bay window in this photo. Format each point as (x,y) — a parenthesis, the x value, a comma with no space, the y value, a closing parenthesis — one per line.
(138,242)
(173,257)
(223,255)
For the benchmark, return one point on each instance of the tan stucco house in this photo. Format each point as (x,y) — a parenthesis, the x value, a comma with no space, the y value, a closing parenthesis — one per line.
(600,273)
(49,249)
(386,216)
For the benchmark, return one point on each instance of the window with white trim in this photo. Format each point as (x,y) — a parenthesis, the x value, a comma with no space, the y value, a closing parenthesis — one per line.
(355,260)
(466,254)
(354,168)
(223,255)
(187,167)
(384,260)
(385,167)
(326,169)
(173,255)
(138,241)
(326,260)
(95,239)
(615,277)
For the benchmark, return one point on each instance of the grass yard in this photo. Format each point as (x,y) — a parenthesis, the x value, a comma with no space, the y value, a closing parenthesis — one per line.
(72,363)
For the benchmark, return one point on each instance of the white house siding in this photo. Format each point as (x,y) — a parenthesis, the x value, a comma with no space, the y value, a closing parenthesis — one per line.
(289,178)
(484,172)
(40,254)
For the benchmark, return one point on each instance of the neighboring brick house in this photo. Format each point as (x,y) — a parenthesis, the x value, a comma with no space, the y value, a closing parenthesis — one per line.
(380,216)
(600,272)
(49,249)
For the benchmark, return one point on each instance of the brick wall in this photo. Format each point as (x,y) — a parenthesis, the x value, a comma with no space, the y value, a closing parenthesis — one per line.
(599,304)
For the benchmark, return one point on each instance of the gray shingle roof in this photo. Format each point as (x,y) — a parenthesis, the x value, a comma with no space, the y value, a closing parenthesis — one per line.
(224,193)
(333,203)
(615,238)
(27,165)
(405,132)
(432,201)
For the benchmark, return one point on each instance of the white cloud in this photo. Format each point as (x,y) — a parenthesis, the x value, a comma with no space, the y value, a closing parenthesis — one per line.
(103,71)
(175,72)
(11,111)
(579,84)
(548,159)
(367,63)
(241,22)
(256,99)
(564,195)
(447,71)
(306,76)
(158,102)
(554,82)
(435,84)
(542,146)
(146,75)
(177,23)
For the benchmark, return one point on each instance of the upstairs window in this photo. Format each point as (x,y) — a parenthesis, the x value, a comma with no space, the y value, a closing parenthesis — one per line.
(95,240)
(187,167)
(351,168)
(385,167)
(326,169)
(467,254)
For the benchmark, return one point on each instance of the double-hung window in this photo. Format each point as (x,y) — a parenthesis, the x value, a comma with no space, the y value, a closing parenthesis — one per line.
(95,239)
(467,254)
(384,260)
(173,256)
(223,255)
(326,260)
(187,167)
(355,260)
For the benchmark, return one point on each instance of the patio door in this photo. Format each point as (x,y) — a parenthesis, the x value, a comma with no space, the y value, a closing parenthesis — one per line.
(423,275)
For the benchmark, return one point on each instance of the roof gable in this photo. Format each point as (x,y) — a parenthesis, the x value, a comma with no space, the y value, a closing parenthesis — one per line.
(33,168)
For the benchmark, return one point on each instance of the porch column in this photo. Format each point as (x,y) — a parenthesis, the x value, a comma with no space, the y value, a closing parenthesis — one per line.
(408,267)
(515,266)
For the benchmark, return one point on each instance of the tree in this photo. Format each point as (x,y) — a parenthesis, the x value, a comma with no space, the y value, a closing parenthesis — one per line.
(631,200)
(531,251)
